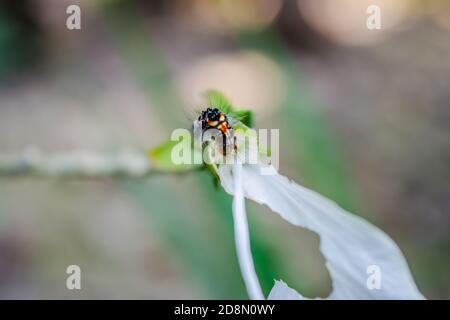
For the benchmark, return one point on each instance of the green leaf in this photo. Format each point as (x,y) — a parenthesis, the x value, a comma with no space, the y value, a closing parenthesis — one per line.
(218,100)
(245,116)
(161,159)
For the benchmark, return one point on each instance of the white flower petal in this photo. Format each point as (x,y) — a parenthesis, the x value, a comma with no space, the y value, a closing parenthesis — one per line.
(242,238)
(281,291)
(349,244)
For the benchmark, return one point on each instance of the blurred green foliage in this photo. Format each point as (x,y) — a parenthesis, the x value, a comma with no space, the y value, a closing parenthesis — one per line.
(19,36)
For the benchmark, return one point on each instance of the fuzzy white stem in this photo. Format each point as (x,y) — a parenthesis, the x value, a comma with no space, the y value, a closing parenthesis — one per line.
(74,163)
(242,238)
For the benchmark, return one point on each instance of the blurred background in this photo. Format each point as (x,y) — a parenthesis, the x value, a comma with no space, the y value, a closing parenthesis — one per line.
(364,119)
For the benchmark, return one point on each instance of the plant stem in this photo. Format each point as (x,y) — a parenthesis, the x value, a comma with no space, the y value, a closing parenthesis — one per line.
(74,163)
